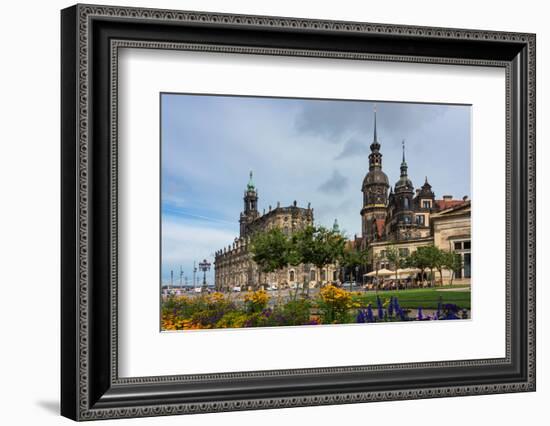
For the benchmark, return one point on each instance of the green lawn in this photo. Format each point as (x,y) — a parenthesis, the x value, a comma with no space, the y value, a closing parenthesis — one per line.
(427,298)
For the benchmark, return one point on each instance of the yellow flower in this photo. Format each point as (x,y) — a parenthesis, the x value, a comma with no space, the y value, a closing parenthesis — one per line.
(217,297)
(259,297)
(339,298)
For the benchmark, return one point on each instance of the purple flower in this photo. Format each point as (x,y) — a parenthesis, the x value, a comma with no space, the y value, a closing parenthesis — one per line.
(402,314)
(361,317)
(396,306)
(390,307)
(419,316)
(370,315)
(380,308)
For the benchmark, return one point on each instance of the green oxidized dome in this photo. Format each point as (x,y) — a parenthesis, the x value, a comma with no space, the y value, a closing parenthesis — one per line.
(250,186)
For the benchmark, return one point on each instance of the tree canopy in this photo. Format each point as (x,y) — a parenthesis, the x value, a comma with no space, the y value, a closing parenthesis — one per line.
(270,250)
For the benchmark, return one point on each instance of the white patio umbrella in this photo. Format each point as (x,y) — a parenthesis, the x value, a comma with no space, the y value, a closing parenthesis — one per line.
(381,273)
(408,271)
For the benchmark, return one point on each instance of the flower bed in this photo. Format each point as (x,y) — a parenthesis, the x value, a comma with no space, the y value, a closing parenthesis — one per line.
(333,305)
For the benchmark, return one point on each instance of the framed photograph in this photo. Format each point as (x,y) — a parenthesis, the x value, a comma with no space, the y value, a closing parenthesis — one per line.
(263,212)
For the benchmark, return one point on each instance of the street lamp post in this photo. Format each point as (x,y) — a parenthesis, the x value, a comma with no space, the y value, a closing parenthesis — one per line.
(204,266)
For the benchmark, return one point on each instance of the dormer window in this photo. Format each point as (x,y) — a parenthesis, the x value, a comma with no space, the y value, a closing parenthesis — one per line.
(426,204)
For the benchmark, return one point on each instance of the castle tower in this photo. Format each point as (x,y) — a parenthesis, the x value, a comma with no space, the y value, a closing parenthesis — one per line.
(250,211)
(375,192)
(403,194)
(402,220)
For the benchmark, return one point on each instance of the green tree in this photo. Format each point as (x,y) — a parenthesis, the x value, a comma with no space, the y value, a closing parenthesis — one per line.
(439,262)
(335,245)
(270,251)
(302,249)
(374,259)
(418,260)
(452,262)
(352,257)
(429,257)
(318,246)
(394,256)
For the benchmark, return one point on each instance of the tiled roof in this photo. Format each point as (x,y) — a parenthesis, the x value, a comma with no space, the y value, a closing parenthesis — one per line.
(446,204)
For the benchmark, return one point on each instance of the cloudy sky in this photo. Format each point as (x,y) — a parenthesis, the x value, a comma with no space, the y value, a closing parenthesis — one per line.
(299,149)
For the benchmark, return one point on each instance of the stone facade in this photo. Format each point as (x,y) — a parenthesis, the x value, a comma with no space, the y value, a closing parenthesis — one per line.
(407,218)
(452,230)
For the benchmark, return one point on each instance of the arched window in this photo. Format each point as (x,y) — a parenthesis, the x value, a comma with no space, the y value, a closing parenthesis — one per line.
(312,275)
(291,276)
(323,275)
(405,203)
(335,276)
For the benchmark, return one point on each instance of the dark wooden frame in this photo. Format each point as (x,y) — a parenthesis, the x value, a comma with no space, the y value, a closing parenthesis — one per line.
(90,386)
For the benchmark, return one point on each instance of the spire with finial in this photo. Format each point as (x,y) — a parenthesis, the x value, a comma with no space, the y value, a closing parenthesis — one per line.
(375,135)
(403,163)
(426,184)
(335,226)
(250,185)
(375,157)
(426,190)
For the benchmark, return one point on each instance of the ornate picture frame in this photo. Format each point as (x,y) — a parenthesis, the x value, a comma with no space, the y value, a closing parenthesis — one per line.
(90,38)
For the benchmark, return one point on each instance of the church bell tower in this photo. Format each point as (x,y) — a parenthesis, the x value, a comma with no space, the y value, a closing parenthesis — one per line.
(250,211)
(375,192)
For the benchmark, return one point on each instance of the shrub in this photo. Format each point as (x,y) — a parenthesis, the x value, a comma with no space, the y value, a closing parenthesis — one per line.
(233,319)
(256,301)
(295,312)
(334,305)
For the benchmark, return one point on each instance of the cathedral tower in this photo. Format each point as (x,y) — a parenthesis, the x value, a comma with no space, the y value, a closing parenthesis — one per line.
(250,211)
(375,193)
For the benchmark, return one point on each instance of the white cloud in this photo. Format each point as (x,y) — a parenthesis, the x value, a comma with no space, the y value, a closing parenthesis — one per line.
(184,242)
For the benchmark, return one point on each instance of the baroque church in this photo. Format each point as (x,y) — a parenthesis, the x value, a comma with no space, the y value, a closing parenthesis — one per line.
(234,266)
(397,216)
